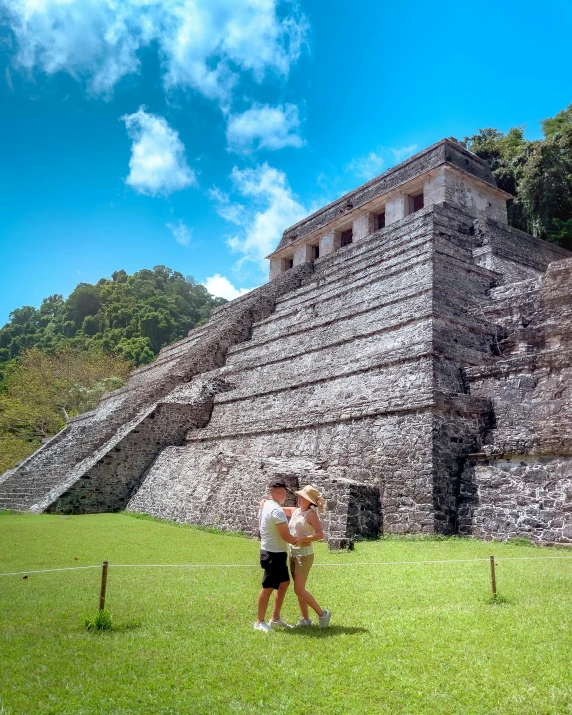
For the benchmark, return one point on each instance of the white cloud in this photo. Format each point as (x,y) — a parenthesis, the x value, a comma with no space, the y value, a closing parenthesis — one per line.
(367,166)
(271,208)
(228,210)
(181,232)
(220,286)
(201,43)
(264,127)
(404,152)
(8,78)
(372,164)
(157,165)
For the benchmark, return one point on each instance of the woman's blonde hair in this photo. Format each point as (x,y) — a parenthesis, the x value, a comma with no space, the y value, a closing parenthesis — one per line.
(320,504)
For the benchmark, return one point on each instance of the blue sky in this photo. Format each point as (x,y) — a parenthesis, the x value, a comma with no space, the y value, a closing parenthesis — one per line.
(190,133)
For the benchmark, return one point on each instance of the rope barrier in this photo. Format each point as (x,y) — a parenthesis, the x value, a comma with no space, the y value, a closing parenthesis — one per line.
(326,565)
(71,568)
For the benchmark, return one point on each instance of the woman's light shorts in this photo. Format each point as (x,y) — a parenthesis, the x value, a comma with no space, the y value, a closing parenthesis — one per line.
(301,565)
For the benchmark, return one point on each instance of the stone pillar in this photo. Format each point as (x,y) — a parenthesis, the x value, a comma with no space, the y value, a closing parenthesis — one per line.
(434,190)
(396,208)
(275,267)
(302,254)
(330,242)
(363,226)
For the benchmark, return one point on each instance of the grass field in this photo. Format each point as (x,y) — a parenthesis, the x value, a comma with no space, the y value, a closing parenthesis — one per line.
(409,639)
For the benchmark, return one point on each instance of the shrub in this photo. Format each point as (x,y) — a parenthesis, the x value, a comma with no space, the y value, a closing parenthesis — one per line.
(102,621)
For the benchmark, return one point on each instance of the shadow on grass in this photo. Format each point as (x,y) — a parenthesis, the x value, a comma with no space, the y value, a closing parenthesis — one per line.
(330,632)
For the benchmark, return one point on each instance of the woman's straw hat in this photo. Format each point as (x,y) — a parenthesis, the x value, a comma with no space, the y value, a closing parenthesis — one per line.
(310,493)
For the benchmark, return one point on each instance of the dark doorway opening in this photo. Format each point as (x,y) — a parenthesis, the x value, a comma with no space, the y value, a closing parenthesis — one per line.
(346,238)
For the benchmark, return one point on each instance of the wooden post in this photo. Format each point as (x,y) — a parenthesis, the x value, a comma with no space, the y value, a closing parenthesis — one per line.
(493,577)
(103,585)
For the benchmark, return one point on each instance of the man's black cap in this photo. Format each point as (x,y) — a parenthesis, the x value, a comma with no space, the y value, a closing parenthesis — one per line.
(277,484)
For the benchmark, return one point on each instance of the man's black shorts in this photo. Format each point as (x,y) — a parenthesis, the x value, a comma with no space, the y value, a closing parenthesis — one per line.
(275,568)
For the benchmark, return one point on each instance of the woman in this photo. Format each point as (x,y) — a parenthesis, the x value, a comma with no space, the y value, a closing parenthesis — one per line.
(305,525)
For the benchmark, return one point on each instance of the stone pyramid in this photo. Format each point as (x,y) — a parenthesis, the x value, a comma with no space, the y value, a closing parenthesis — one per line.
(410,356)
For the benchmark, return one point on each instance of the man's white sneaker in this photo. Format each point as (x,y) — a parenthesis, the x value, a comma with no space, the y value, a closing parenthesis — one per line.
(324,621)
(279,624)
(262,626)
(303,623)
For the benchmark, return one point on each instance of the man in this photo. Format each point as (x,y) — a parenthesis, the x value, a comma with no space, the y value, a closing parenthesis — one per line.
(274,540)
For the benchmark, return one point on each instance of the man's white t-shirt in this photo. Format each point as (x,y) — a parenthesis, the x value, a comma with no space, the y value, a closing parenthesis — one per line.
(270,515)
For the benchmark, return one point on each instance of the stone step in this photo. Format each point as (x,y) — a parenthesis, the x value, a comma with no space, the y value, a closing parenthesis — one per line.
(12,506)
(363,254)
(81,438)
(14,497)
(322,363)
(180,349)
(516,290)
(344,358)
(314,418)
(390,385)
(329,282)
(347,299)
(387,323)
(64,470)
(459,275)
(371,313)
(359,257)
(375,314)
(383,244)
(56,467)
(16,489)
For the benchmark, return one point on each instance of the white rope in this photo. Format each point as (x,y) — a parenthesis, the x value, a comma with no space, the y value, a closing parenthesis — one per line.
(71,568)
(190,566)
(253,565)
(450,561)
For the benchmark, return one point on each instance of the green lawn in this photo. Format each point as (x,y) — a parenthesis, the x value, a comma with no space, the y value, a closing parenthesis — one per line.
(404,638)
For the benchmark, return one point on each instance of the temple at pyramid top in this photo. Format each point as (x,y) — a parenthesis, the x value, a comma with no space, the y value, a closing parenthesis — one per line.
(444,172)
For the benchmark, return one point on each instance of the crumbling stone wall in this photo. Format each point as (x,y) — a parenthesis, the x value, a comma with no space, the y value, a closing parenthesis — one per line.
(223,489)
(518,480)
(515,255)
(517,496)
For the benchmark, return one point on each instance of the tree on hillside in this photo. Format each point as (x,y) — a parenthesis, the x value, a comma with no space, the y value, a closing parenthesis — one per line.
(545,187)
(555,125)
(537,173)
(133,316)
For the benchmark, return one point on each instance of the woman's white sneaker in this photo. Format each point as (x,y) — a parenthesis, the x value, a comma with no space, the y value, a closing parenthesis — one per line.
(262,626)
(324,621)
(303,623)
(279,624)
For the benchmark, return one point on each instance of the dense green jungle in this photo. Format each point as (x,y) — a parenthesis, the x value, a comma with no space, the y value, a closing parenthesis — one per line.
(56,361)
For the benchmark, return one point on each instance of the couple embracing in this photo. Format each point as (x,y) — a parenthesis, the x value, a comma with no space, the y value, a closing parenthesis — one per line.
(276,534)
